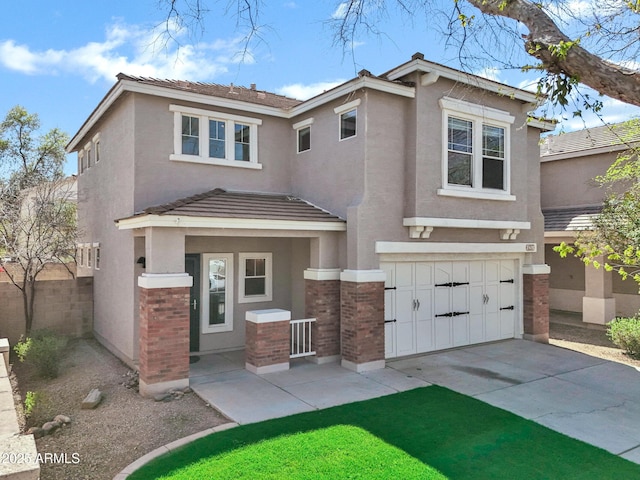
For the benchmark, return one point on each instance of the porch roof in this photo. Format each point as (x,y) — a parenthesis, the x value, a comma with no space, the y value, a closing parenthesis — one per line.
(220,208)
(570,219)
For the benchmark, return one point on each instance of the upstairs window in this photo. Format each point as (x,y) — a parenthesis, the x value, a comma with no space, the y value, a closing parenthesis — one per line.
(303,134)
(348,114)
(215,138)
(476,160)
(190,135)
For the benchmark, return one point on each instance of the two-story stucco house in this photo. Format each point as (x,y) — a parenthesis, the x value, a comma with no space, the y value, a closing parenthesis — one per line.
(400,211)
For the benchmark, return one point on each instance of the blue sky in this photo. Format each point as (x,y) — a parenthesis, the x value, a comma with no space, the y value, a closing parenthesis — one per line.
(58,59)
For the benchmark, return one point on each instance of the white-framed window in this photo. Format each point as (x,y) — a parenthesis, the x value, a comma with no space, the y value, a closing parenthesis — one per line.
(89,256)
(217,292)
(476,151)
(96,147)
(255,279)
(80,255)
(303,135)
(96,256)
(348,116)
(81,165)
(87,155)
(215,138)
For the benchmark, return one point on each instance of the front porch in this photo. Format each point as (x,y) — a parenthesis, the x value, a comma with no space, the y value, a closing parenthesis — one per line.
(222,380)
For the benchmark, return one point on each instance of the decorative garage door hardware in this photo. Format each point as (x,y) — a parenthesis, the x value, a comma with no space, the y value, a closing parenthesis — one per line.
(507,281)
(416,304)
(389,288)
(510,307)
(452,314)
(390,321)
(451,284)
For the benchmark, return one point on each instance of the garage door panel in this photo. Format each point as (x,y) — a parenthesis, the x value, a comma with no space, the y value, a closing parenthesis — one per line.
(430,317)
(390,340)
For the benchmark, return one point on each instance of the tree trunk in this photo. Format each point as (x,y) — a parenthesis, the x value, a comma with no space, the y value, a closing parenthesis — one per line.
(605,77)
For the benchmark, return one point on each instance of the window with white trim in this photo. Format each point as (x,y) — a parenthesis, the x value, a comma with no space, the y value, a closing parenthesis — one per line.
(215,138)
(80,255)
(81,161)
(87,155)
(348,114)
(303,134)
(89,256)
(96,262)
(96,147)
(476,148)
(255,278)
(217,292)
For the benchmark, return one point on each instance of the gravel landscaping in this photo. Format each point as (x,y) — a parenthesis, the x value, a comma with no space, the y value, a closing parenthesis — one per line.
(122,428)
(125,426)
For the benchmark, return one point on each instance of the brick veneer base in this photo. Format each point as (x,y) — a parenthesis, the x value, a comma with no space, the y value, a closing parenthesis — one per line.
(322,302)
(536,307)
(362,322)
(164,338)
(267,344)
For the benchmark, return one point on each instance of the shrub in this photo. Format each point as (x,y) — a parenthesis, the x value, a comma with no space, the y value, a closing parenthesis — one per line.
(625,333)
(44,351)
(30,403)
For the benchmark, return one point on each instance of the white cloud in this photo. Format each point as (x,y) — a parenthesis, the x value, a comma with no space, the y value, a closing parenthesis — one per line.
(129,49)
(290,5)
(340,12)
(304,92)
(490,73)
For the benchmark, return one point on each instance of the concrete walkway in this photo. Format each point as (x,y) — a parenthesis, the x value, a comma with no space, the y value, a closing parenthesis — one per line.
(587,398)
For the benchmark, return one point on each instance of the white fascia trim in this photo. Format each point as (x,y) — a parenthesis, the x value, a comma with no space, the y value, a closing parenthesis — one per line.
(482,111)
(475,193)
(542,269)
(165,280)
(267,316)
(363,276)
(464,223)
(303,123)
(545,126)
(583,153)
(210,113)
(565,233)
(178,221)
(322,274)
(444,247)
(352,86)
(462,77)
(179,157)
(347,106)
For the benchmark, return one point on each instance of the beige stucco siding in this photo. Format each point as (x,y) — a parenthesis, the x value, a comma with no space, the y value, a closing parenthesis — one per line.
(290,259)
(155,140)
(105,193)
(570,182)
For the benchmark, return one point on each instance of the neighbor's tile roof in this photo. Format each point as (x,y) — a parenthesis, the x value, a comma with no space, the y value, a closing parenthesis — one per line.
(612,136)
(570,219)
(233,92)
(220,203)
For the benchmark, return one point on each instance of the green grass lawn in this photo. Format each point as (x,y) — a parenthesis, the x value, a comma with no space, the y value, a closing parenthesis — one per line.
(427,433)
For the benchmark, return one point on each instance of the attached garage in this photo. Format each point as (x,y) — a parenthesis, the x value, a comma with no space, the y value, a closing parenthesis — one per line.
(435,305)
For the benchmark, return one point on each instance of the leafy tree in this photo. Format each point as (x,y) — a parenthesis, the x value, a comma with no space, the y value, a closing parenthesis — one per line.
(37,217)
(590,43)
(614,241)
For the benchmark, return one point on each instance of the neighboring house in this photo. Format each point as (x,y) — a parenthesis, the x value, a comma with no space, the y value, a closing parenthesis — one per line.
(570,197)
(401,211)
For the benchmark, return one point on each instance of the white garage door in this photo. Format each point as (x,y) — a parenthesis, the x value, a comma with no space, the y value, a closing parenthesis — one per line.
(438,305)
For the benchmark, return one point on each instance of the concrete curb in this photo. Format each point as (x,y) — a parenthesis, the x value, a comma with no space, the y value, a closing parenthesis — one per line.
(169,447)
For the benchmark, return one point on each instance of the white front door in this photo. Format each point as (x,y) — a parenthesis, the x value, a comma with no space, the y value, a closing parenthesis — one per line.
(438,305)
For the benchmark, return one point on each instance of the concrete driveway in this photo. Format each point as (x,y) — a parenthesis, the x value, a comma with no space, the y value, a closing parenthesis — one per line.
(587,398)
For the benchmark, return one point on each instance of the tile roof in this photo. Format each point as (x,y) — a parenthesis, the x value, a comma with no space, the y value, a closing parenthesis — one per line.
(570,219)
(220,203)
(612,136)
(234,92)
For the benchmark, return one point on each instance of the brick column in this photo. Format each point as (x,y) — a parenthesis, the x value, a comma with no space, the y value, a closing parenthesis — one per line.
(164,332)
(535,290)
(322,302)
(267,341)
(362,319)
